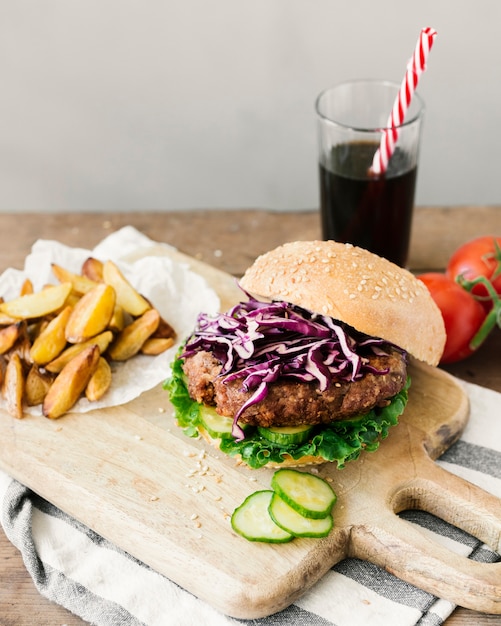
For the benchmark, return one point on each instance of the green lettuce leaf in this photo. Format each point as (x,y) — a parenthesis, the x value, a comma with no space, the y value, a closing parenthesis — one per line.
(341,441)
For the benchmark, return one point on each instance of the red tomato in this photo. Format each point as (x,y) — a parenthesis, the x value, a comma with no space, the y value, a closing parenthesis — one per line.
(462,314)
(478,257)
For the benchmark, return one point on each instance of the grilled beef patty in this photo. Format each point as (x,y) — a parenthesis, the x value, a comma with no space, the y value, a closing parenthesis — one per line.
(292,403)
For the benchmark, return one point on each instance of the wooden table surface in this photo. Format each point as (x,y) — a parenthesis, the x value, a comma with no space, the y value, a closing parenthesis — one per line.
(230,240)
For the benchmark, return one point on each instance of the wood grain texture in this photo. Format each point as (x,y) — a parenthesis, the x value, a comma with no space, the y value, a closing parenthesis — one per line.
(230,240)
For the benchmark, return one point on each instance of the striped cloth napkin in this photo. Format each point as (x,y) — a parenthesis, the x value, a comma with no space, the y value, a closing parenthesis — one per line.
(73,566)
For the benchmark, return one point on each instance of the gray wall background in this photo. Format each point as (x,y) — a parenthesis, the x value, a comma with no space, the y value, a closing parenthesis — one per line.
(180,104)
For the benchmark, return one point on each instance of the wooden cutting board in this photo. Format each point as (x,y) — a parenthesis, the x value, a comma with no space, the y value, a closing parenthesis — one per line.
(132,476)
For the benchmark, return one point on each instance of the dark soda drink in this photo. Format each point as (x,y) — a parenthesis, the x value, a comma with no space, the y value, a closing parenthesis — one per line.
(373,212)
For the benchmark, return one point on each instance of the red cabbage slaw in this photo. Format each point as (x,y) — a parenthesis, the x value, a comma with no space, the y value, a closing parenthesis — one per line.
(260,342)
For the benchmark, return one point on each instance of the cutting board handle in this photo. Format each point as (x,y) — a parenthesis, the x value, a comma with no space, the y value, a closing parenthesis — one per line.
(405,550)
(453,499)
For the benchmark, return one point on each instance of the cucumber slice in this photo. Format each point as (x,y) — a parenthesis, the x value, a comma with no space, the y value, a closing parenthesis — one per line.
(253,521)
(293,522)
(217,426)
(286,435)
(309,495)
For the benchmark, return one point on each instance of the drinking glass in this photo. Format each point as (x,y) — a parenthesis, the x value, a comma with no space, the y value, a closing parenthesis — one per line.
(358,206)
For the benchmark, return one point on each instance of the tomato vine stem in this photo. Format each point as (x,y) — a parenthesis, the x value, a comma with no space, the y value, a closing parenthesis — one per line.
(493,317)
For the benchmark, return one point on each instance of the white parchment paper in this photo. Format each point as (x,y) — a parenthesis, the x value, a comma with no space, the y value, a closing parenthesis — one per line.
(178,293)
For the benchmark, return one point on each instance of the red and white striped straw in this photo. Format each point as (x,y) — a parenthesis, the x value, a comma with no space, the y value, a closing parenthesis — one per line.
(415,67)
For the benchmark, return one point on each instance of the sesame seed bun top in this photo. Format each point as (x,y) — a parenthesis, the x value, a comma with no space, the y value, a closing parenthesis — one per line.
(352,285)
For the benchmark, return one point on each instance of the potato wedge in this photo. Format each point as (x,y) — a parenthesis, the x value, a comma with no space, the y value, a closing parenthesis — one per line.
(37,385)
(21,348)
(73,299)
(13,386)
(70,383)
(130,341)
(9,335)
(51,341)
(37,304)
(165,330)
(80,284)
(91,315)
(127,296)
(5,319)
(100,381)
(26,287)
(118,320)
(93,268)
(102,341)
(156,345)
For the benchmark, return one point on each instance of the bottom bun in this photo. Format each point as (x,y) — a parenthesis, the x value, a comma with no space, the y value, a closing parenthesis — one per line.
(287,462)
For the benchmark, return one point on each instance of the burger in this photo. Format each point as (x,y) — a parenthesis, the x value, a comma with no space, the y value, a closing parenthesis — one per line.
(312,365)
